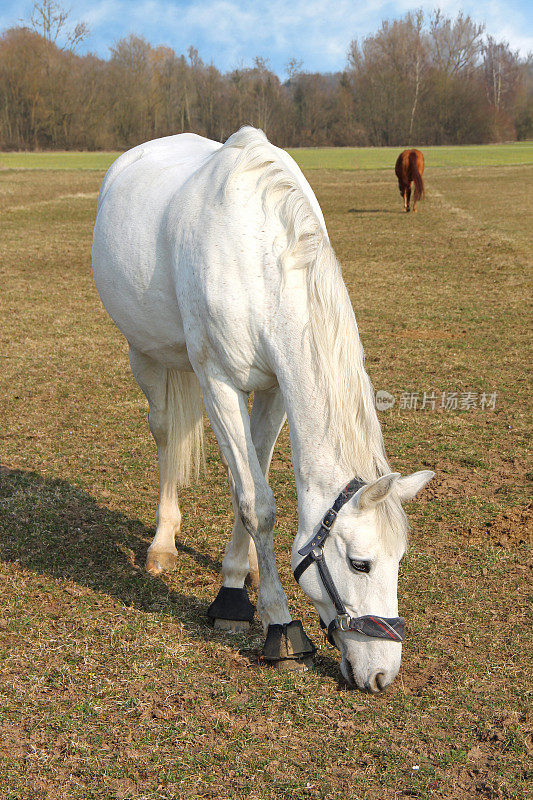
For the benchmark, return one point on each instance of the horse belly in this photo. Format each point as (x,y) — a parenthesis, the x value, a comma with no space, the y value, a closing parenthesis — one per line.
(132,273)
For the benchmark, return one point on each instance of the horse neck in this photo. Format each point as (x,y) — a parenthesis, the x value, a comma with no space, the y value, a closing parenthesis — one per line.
(319,472)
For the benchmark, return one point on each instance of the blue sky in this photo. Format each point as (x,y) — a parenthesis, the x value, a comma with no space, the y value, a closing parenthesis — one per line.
(230,33)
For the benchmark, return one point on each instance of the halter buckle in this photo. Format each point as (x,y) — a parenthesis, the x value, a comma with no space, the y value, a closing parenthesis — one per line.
(329,518)
(343,622)
(317,553)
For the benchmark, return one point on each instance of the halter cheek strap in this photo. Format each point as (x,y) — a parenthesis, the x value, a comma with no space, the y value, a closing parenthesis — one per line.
(391,628)
(329,518)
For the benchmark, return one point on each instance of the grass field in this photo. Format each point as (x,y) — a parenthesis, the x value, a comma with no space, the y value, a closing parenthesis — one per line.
(356,158)
(111,684)
(345,158)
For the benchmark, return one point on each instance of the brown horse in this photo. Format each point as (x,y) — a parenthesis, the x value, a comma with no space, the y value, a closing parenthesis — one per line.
(409,168)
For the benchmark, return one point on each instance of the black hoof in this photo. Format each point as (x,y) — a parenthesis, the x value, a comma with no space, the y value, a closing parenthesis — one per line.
(233,606)
(288,646)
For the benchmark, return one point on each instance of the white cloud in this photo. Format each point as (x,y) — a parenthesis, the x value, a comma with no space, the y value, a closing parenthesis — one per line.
(232,32)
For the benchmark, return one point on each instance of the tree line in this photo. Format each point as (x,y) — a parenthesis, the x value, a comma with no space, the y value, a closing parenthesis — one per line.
(417,80)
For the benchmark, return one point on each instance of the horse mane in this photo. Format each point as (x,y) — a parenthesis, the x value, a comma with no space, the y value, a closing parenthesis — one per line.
(338,352)
(337,348)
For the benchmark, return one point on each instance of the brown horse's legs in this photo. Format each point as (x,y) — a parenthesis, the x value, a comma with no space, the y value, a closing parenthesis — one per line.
(407,198)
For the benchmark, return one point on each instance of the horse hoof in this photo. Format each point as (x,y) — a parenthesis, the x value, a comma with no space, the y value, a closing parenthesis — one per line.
(158,563)
(231,610)
(300,665)
(287,647)
(231,625)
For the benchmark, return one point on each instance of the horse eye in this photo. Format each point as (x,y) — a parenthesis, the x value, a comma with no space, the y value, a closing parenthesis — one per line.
(359,566)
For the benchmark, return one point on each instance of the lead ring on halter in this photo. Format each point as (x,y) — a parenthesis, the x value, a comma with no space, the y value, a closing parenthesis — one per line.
(391,628)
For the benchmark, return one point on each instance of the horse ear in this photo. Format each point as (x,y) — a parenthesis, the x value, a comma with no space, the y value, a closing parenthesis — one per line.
(409,486)
(373,493)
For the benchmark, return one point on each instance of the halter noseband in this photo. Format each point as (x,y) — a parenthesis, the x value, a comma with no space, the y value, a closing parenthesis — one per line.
(391,628)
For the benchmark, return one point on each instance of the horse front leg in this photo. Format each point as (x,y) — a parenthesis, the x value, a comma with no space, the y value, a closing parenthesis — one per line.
(248,456)
(266,420)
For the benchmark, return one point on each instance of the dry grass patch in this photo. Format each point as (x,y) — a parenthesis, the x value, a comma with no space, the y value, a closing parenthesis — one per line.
(112,685)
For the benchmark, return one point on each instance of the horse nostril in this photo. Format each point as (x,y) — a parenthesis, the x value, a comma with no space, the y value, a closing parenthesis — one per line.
(377,682)
(381,681)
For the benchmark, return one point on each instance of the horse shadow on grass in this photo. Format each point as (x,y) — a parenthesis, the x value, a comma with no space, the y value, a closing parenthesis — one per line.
(372,211)
(53,528)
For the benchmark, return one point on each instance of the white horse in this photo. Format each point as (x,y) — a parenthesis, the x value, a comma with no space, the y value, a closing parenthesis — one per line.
(214,262)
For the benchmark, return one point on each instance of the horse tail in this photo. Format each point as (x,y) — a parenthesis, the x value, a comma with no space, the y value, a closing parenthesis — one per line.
(416,176)
(186,426)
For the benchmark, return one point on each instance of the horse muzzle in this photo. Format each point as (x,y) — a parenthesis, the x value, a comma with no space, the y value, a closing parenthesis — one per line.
(369,666)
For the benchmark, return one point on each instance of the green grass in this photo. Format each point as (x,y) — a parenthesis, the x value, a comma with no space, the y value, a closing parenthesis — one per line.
(345,158)
(57,160)
(112,685)
(363,158)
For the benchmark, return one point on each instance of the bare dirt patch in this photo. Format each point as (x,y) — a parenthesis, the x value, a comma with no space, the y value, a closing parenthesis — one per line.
(510,529)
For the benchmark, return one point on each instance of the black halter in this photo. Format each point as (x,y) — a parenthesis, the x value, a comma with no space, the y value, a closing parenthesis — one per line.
(392,628)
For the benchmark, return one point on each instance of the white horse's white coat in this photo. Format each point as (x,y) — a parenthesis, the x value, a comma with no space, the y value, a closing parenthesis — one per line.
(214,262)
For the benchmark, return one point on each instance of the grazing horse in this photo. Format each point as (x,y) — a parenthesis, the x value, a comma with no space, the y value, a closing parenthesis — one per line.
(410,168)
(214,262)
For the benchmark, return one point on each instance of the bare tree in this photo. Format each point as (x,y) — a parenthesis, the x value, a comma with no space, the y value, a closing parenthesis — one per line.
(387,71)
(49,19)
(428,80)
(456,44)
(293,68)
(419,55)
(501,67)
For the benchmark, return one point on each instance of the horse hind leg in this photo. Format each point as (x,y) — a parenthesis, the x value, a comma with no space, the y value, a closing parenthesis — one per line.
(165,390)
(408,198)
